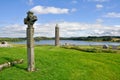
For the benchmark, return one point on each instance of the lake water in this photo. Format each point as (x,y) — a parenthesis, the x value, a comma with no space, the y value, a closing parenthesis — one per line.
(74,42)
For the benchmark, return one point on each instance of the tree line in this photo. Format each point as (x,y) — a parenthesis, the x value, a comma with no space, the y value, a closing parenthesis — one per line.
(12,39)
(89,38)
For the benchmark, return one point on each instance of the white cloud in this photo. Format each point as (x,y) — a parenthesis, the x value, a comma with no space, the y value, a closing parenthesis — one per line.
(73,10)
(14,30)
(112,15)
(30,2)
(49,10)
(99,0)
(74,2)
(99,6)
(117,25)
(99,20)
(67,29)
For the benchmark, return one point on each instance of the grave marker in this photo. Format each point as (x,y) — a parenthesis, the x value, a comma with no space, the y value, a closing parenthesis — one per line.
(30,20)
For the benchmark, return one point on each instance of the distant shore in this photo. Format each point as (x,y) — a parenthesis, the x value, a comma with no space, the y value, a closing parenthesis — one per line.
(89,38)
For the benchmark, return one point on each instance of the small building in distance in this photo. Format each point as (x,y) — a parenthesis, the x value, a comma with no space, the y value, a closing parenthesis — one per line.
(4,44)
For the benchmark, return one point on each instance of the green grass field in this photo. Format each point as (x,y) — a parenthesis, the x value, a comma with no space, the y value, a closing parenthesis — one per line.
(56,63)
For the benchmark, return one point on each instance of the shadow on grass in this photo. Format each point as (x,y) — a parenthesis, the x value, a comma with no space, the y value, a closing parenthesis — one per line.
(8,59)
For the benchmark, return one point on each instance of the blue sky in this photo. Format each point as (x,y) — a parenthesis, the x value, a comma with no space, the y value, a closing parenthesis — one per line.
(74,17)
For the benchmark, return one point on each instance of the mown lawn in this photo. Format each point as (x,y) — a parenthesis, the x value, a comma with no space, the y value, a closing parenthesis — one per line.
(55,63)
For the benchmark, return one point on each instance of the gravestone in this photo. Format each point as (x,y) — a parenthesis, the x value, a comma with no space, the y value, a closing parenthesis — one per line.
(114,47)
(56,35)
(30,20)
(105,46)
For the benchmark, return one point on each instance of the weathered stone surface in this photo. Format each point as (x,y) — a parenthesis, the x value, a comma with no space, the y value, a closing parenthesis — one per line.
(8,64)
(30,20)
(114,47)
(30,49)
(57,35)
(105,46)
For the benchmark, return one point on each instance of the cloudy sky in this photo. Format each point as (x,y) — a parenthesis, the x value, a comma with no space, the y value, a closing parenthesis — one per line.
(74,17)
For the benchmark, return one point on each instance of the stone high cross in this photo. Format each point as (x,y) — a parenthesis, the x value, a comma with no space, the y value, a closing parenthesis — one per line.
(30,20)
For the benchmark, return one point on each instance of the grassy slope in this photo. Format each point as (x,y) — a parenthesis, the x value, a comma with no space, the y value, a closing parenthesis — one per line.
(54,63)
